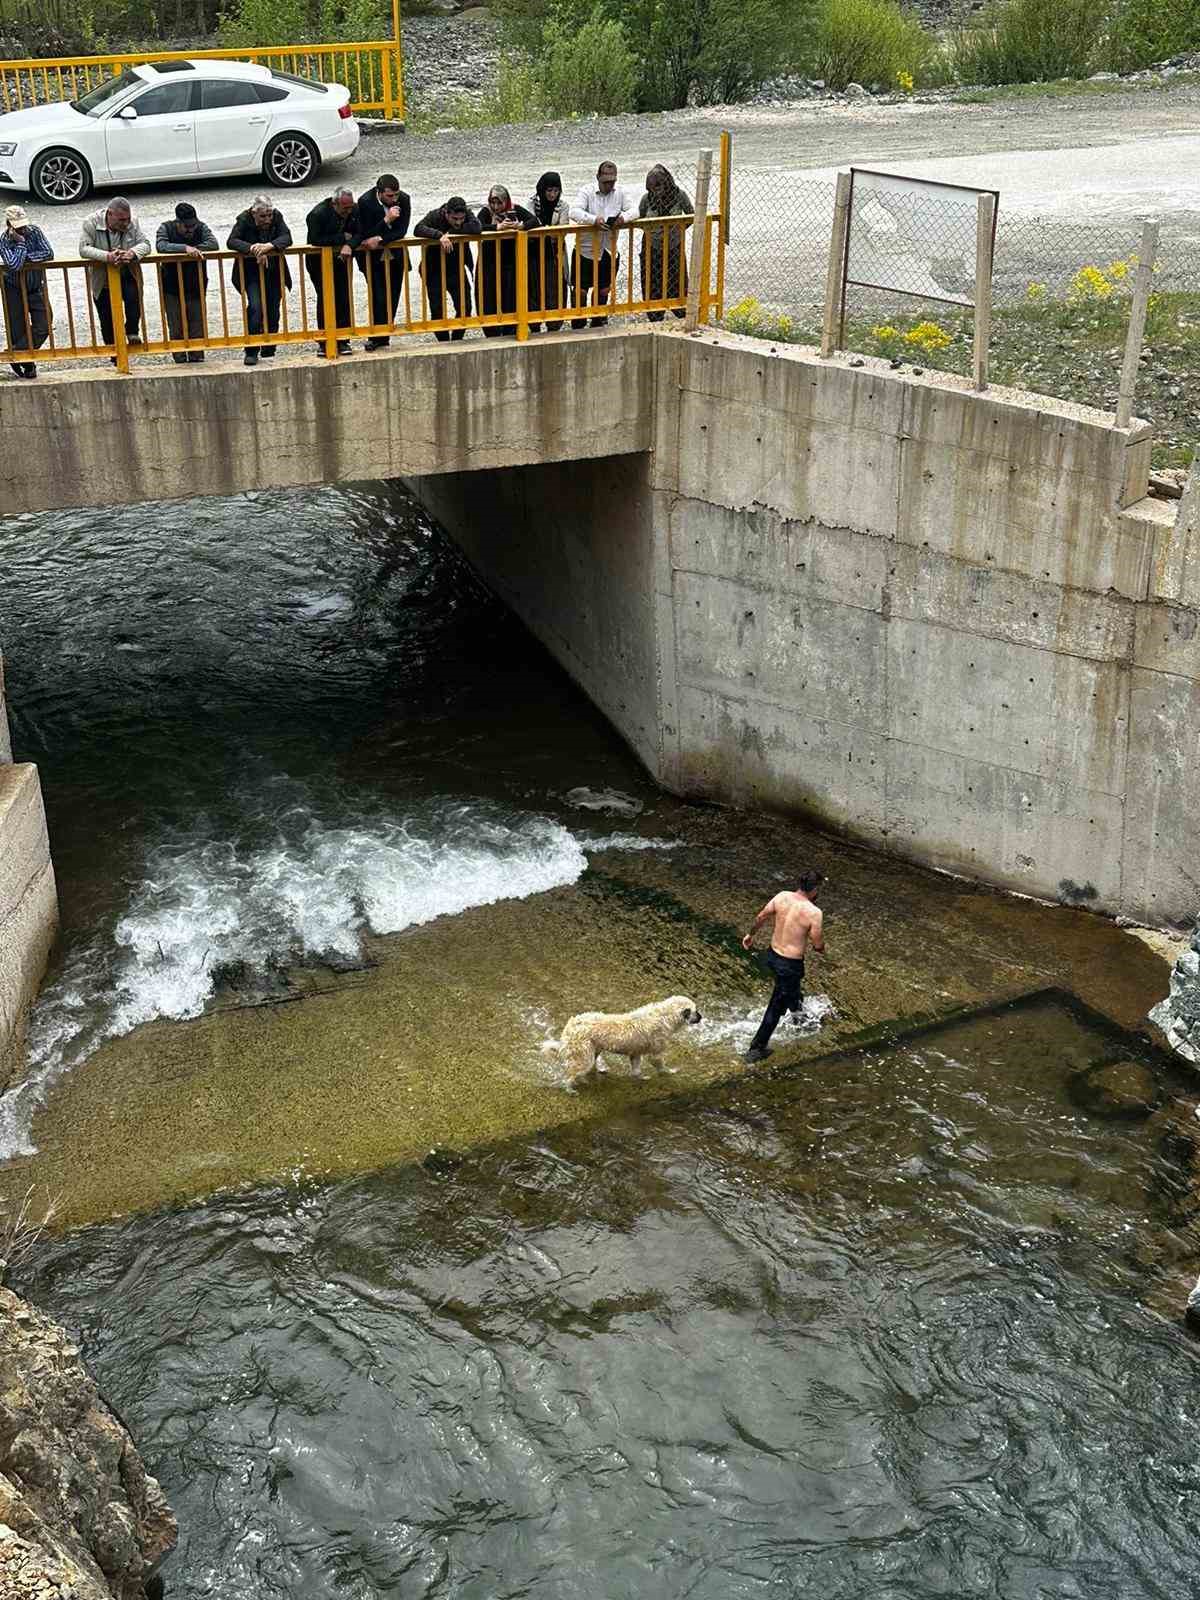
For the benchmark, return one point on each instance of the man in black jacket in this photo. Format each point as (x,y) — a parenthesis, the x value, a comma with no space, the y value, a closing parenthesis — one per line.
(261,273)
(449,266)
(184,282)
(383,217)
(333,224)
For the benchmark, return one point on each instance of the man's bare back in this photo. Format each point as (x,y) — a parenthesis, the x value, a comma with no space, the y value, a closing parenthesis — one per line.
(798,925)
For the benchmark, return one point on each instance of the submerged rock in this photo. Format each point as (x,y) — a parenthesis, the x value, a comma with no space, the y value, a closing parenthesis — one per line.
(79,1513)
(1120,1089)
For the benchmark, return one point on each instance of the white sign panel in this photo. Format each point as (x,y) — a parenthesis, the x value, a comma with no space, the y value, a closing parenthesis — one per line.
(912,237)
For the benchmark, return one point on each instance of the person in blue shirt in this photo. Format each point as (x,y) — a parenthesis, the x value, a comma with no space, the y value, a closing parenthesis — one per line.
(25,310)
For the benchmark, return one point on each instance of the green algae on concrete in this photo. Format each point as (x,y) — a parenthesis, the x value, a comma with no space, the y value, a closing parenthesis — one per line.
(437,1044)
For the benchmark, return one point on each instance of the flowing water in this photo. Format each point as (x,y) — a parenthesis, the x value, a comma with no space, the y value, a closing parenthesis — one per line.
(875,1327)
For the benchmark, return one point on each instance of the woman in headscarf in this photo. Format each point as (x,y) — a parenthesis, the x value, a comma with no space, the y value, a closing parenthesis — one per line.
(496,269)
(664,273)
(548,255)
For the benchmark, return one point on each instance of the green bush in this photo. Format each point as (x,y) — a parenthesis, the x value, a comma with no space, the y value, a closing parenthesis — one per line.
(588,68)
(1146,31)
(869,42)
(1032,41)
(263,22)
(713,51)
(683,51)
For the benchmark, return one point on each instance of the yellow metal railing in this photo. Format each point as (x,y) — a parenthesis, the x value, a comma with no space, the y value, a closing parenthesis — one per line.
(504,283)
(373,72)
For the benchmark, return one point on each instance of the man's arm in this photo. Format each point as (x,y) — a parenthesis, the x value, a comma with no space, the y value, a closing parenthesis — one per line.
(765,915)
(13,251)
(164,245)
(140,245)
(206,239)
(38,247)
(88,246)
(579,212)
(816,930)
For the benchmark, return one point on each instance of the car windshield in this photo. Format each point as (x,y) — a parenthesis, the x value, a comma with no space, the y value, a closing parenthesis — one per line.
(94,101)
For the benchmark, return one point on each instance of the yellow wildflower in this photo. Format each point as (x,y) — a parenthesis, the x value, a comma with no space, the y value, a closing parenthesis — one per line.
(905,80)
(1036,291)
(1089,283)
(928,336)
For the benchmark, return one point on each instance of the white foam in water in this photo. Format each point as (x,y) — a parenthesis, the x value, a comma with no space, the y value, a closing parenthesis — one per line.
(737,1028)
(615,801)
(209,905)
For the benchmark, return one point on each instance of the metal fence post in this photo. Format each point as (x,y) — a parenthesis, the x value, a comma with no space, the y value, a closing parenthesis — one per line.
(328,302)
(116,310)
(699,240)
(985,232)
(1137,324)
(837,265)
(522,247)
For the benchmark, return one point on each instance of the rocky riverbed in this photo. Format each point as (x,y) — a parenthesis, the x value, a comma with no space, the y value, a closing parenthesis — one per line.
(80,1517)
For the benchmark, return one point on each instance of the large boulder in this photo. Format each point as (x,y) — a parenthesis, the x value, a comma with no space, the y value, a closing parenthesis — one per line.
(1119,1089)
(74,1492)
(1179,1014)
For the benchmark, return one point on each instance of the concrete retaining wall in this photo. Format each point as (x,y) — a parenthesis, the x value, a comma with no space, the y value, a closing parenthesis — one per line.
(28,905)
(924,616)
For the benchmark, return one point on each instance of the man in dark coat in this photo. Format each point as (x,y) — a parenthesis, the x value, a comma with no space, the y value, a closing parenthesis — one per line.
(184,282)
(333,224)
(448,268)
(384,213)
(261,273)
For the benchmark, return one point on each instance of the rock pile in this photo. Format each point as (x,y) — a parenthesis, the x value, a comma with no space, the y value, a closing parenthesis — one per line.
(79,1514)
(1179,1014)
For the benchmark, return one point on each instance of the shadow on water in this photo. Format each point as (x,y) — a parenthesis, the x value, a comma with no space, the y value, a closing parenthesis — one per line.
(873,1326)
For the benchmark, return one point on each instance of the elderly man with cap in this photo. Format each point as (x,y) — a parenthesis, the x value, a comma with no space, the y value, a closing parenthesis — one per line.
(113,236)
(184,282)
(24,292)
(448,268)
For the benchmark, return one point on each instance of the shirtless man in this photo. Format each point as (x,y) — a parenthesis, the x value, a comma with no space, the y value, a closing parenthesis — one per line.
(797,930)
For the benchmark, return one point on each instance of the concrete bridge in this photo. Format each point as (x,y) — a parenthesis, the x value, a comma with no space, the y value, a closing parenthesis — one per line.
(947,624)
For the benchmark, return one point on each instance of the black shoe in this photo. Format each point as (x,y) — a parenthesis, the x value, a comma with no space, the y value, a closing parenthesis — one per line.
(112,361)
(195,355)
(266,352)
(18,368)
(757,1052)
(180,359)
(344,348)
(30,370)
(250,359)
(377,344)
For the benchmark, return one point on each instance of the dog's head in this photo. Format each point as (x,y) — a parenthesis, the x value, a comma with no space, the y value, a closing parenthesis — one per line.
(683,1010)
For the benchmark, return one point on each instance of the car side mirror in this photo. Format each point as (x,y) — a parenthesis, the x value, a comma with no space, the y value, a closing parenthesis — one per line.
(128,113)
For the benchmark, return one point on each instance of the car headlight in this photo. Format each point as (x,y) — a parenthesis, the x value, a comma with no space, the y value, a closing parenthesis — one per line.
(8,149)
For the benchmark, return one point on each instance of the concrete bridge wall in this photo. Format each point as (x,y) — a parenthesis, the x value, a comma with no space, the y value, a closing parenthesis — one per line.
(28,902)
(929,618)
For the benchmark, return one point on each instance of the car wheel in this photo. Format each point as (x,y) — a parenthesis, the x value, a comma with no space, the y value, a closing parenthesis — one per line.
(291,160)
(59,177)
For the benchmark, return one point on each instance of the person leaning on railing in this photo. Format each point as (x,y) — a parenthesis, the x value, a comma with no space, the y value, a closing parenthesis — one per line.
(24,293)
(384,213)
(548,257)
(184,284)
(333,224)
(607,205)
(262,274)
(114,236)
(664,274)
(448,268)
(496,269)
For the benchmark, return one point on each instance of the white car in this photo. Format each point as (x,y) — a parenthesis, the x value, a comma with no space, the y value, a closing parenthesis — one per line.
(178,119)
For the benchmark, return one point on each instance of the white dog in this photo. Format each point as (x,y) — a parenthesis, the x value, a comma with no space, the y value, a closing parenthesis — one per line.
(634,1034)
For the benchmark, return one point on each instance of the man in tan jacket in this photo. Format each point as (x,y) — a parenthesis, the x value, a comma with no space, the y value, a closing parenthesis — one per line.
(113,235)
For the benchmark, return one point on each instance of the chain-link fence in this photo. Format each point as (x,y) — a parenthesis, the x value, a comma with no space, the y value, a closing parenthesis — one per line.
(1061,298)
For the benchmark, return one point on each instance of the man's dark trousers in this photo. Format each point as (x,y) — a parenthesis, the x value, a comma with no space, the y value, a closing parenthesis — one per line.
(132,303)
(787,995)
(341,292)
(590,275)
